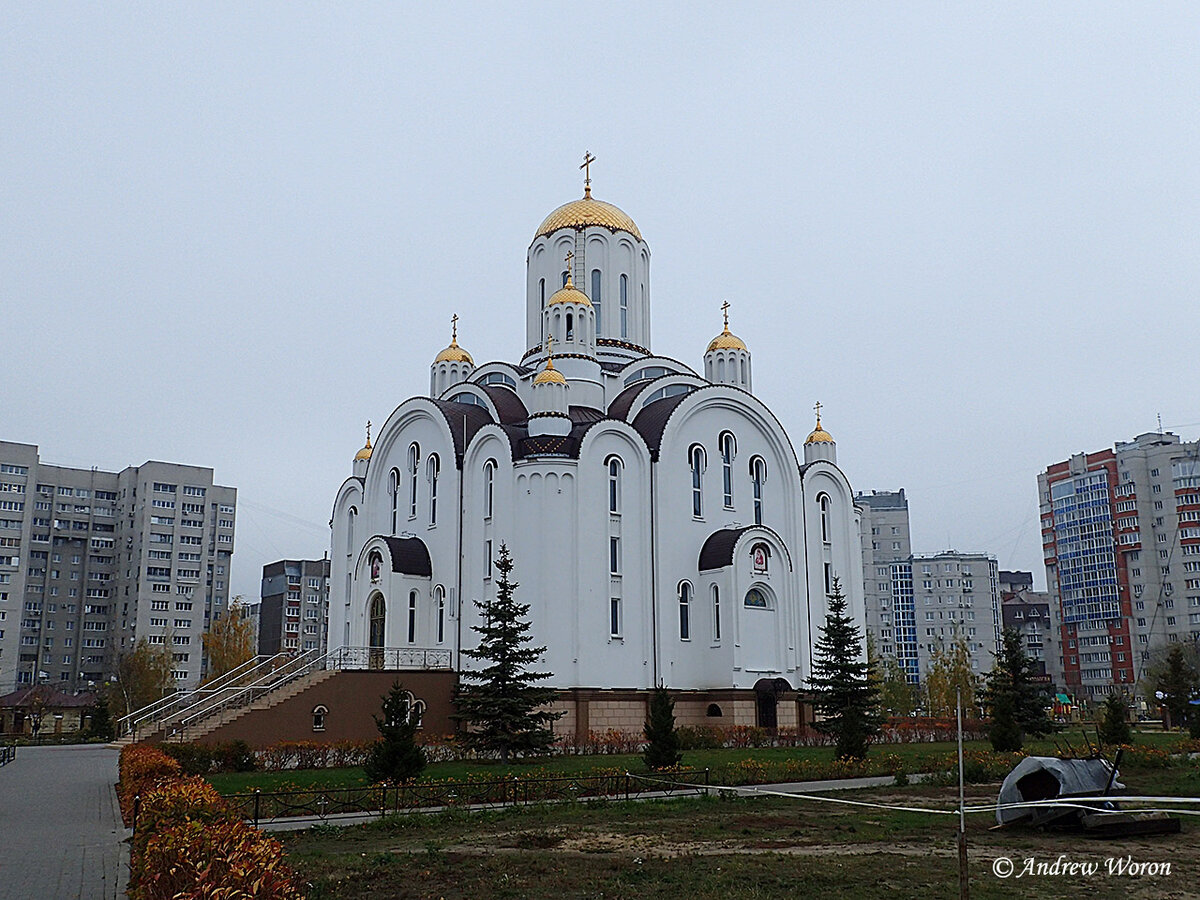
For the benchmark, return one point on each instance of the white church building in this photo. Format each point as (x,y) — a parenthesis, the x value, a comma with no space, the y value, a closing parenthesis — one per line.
(663,528)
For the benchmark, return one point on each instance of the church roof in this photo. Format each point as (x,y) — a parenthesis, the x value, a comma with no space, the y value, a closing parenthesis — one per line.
(651,422)
(409,556)
(717,552)
(464,419)
(623,402)
(507,404)
(585,212)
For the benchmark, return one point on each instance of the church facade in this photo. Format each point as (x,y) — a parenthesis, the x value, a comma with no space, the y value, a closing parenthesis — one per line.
(664,529)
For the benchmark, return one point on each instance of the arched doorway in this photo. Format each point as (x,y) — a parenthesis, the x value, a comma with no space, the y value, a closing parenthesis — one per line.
(375,639)
(766,695)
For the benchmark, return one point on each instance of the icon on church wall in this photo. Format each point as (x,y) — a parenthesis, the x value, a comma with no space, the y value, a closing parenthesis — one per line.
(760,556)
(375,560)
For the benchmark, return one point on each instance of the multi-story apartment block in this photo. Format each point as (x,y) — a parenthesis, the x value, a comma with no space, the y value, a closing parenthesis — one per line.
(1121,540)
(293,614)
(1034,616)
(92,561)
(916,604)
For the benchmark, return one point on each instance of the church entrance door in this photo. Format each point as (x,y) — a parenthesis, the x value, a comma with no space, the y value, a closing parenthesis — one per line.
(378,614)
(768,712)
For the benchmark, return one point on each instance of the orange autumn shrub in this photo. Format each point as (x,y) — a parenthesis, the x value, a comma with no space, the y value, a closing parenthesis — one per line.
(142,768)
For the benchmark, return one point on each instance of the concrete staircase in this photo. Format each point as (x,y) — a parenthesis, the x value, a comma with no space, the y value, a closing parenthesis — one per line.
(199,730)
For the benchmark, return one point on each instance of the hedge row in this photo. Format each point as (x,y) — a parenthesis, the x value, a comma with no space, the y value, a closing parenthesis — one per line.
(187,841)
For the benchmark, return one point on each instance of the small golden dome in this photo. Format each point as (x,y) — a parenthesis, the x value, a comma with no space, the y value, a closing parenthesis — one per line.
(569,294)
(549,375)
(365,452)
(819,435)
(454,353)
(585,212)
(726,340)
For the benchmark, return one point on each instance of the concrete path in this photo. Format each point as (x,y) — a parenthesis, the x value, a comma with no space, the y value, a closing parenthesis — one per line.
(61,836)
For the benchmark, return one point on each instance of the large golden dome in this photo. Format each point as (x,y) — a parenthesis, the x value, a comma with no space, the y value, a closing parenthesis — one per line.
(587,211)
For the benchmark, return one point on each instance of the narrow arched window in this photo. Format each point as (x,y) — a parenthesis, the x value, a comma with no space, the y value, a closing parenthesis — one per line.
(716,611)
(435,469)
(758,476)
(728,448)
(350,517)
(542,291)
(564,278)
(614,485)
(489,488)
(570,327)
(696,460)
(624,306)
(439,594)
(595,298)
(394,495)
(414,461)
(823,501)
(412,617)
(685,611)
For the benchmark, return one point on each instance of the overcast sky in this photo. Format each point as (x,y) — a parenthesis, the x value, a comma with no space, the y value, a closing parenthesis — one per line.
(232,233)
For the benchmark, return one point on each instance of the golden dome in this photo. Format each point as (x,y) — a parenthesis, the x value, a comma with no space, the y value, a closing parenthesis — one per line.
(454,353)
(726,340)
(819,435)
(569,294)
(585,212)
(365,452)
(549,375)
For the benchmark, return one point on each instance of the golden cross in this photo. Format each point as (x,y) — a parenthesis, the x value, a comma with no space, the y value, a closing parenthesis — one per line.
(588,159)
(549,347)
(454,327)
(569,259)
(725,310)
(368,432)
(818,409)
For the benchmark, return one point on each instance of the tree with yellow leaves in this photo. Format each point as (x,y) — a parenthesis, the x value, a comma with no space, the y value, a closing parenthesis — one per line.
(229,642)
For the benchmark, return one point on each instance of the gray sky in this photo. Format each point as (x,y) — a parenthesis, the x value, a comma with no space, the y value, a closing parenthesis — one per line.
(231,233)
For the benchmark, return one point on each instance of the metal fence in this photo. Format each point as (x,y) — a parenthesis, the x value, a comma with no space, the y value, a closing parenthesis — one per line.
(8,752)
(383,799)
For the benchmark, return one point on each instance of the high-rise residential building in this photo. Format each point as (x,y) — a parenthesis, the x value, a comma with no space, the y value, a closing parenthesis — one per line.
(93,561)
(293,613)
(916,604)
(1034,616)
(1121,540)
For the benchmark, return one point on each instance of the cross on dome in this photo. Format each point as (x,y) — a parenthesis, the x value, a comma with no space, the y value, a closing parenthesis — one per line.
(588,159)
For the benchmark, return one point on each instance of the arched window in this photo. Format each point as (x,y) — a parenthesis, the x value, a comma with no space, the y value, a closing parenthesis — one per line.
(714,711)
(614,484)
(570,327)
(439,594)
(823,502)
(434,467)
(696,461)
(595,298)
(758,477)
(319,713)
(564,278)
(728,449)
(624,306)
(489,487)
(351,515)
(685,611)
(542,291)
(671,390)
(716,611)
(412,617)
(414,460)
(377,619)
(394,495)
(756,599)
(499,378)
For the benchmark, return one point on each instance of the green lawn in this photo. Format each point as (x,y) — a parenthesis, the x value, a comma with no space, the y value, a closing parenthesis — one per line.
(726,849)
(916,757)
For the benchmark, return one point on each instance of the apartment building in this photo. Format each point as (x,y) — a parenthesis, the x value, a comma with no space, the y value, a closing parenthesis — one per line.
(293,612)
(91,561)
(1121,541)
(1034,616)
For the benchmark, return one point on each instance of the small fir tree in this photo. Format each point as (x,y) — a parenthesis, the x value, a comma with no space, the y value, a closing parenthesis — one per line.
(100,724)
(847,698)
(1016,703)
(396,756)
(1176,681)
(1114,721)
(500,704)
(662,737)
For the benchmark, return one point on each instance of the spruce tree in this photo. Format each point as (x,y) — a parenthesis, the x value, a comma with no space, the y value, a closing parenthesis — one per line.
(1114,722)
(1016,703)
(396,756)
(662,738)
(500,704)
(846,696)
(1176,681)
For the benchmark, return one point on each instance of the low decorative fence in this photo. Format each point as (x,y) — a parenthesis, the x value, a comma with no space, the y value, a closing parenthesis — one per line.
(8,752)
(383,799)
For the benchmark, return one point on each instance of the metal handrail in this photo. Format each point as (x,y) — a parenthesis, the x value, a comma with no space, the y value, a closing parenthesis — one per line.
(161,710)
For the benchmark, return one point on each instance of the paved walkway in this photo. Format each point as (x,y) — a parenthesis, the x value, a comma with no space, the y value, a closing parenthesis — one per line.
(61,836)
